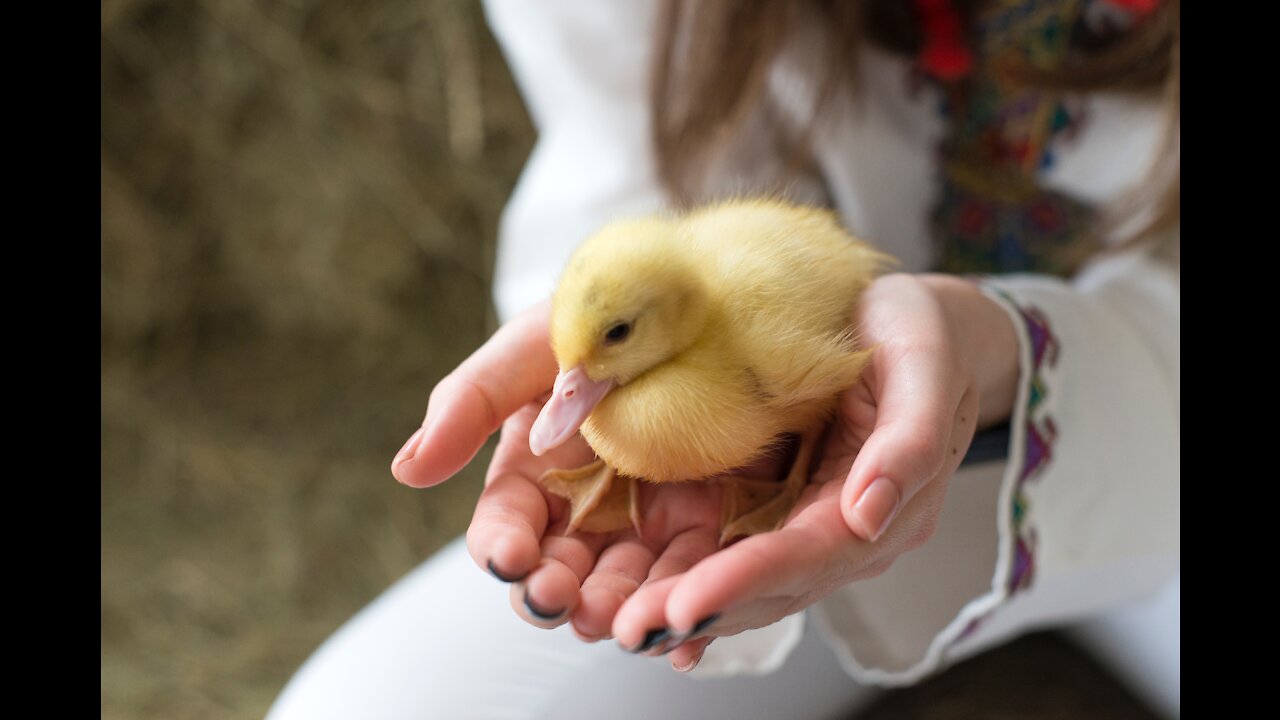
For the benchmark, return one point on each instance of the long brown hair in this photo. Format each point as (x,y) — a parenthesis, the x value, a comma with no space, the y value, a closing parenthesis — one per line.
(714,56)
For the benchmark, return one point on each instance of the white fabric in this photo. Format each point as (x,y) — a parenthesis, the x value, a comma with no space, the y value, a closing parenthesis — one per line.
(444,643)
(1102,513)
(581,67)
(419,652)
(1142,644)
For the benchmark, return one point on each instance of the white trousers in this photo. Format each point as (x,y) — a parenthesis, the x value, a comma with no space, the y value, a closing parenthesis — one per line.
(444,643)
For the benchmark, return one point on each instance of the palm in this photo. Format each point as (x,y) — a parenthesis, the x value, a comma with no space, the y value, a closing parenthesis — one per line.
(854,423)
(667,510)
(587,575)
(681,521)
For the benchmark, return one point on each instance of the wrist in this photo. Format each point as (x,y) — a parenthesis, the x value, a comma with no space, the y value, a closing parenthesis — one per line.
(987,342)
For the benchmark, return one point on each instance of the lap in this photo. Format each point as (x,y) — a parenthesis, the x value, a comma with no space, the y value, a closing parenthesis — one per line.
(444,642)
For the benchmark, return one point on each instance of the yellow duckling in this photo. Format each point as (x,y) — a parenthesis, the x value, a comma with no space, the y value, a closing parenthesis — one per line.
(689,346)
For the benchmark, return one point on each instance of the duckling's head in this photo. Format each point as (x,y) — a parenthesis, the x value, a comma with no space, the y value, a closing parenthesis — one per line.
(630,299)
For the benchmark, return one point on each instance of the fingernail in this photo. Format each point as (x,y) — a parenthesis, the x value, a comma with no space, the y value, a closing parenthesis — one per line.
(692,664)
(539,612)
(878,506)
(589,638)
(701,625)
(704,623)
(409,450)
(504,577)
(651,638)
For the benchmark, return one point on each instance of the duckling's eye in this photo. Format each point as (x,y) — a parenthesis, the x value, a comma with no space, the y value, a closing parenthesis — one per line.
(617,333)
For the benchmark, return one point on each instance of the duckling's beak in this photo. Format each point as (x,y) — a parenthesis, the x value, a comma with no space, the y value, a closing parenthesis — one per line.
(573,398)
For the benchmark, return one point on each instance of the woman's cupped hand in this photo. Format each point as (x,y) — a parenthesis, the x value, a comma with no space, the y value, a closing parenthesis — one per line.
(945,363)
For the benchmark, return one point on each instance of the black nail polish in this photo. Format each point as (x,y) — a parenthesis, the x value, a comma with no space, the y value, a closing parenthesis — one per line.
(652,638)
(514,578)
(704,623)
(538,612)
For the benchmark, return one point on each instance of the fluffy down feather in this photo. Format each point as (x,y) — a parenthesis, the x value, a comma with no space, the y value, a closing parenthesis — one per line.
(735,331)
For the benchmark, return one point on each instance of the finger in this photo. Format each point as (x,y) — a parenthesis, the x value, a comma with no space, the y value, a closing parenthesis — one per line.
(687,656)
(684,551)
(512,455)
(578,551)
(919,517)
(765,577)
(615,577)
(550,593)
(515,366)
(556,588)
(924,425)
(507,528)
(514,512)
(917,394)
(793,565)
(917,381)
(641,623)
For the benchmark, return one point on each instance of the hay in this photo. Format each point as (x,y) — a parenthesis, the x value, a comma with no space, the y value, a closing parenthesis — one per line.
(299,203)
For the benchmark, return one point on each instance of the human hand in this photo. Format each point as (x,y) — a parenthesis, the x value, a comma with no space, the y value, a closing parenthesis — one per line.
(918,399)
(945,363)
(518,530)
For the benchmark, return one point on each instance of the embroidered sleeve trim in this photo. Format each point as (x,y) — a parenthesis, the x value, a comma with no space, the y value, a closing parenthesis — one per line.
(1034,436)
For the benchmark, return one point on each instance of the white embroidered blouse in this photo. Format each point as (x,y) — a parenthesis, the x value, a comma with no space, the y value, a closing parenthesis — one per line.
(1084,513)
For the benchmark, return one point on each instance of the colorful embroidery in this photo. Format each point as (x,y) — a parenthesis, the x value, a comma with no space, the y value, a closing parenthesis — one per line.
(1040,433)
(992,215)
(1039,436)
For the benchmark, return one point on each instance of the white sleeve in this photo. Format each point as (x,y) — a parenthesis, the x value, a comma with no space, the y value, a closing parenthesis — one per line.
(1085,509)
(1082,516)
(583,68)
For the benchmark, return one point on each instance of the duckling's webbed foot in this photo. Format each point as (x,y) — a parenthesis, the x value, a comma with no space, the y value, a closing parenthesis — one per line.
(597,501)
(749,507)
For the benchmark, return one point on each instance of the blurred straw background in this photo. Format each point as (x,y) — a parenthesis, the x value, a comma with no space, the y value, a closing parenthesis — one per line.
(299,201)
(299,204)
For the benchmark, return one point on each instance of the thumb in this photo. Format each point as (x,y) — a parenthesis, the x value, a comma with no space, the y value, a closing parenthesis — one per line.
(923,426)
(513,368)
